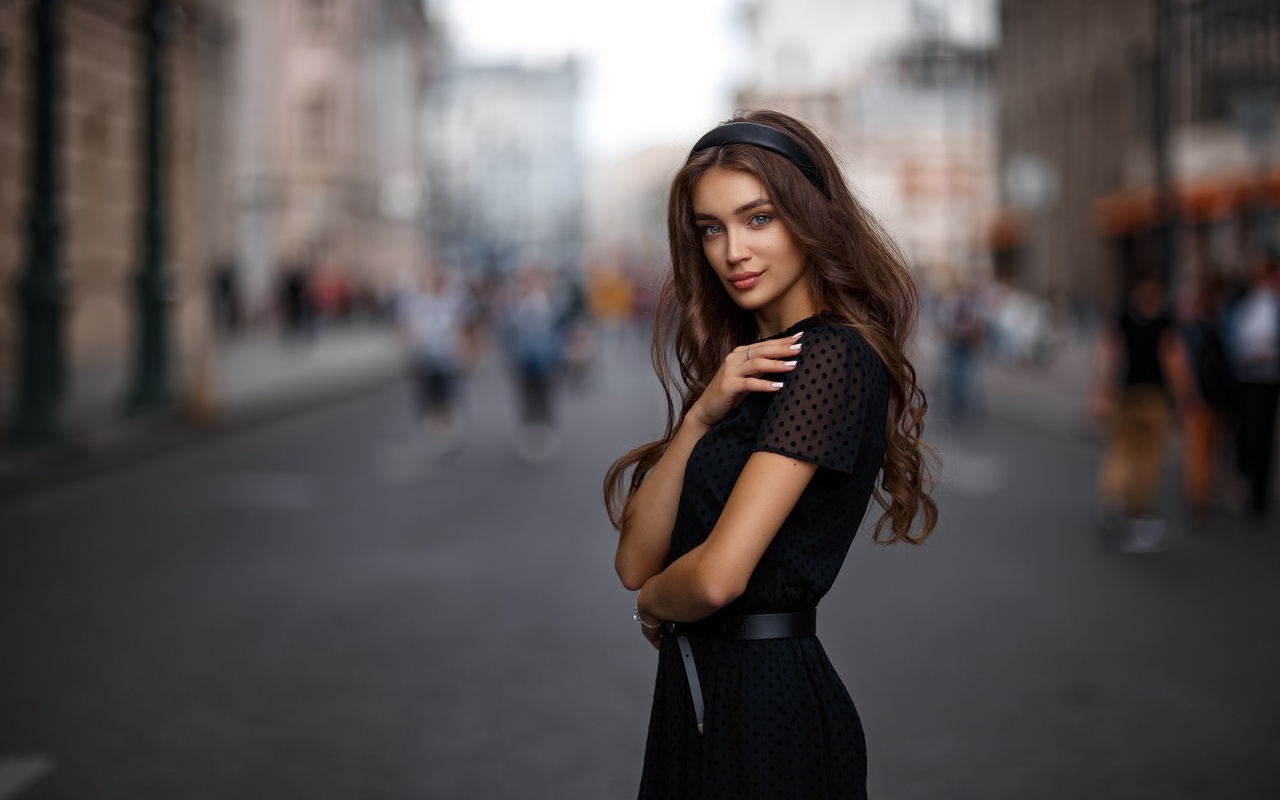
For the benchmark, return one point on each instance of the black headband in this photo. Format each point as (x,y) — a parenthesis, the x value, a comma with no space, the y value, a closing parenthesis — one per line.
(759,135)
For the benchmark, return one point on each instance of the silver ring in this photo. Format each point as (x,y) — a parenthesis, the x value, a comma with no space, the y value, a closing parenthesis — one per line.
(748,353)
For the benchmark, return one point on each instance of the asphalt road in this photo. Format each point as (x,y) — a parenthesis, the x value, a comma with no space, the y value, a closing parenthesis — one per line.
(308,609)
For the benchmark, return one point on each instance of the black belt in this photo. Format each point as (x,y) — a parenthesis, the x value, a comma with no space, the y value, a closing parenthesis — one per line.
(749,627)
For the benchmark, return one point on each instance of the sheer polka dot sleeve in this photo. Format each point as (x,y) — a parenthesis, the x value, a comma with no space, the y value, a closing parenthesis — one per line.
(820,414)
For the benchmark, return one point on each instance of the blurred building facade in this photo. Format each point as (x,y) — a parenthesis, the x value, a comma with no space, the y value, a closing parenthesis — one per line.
(807,46)
(913,119)
(505,183)
(1110,110)
(329,167)
(104,242)
(154,145)
(626,211)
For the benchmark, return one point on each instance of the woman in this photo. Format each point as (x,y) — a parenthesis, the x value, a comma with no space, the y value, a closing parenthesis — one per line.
(791,311)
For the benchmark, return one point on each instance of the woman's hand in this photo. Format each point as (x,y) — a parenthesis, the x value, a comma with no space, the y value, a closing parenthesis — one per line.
(651,627)
(743,371)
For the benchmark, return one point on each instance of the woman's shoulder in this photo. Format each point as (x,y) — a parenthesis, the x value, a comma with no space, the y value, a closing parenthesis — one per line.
(824,330)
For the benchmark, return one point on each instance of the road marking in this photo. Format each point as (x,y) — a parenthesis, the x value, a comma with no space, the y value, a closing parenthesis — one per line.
(271,490)
(19,771)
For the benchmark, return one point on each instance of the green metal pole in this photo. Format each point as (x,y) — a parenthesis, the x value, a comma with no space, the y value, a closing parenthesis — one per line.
(40,291)
(1162,103)
(151,285)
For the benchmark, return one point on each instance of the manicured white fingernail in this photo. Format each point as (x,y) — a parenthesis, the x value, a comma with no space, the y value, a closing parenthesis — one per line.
(798,335)
(796,346)
(778,385)
(792,363)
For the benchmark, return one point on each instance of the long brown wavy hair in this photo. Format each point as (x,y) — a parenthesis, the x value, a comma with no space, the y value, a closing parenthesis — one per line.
(859,278)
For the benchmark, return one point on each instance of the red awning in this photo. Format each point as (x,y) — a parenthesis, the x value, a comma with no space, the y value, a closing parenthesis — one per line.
(1136,210)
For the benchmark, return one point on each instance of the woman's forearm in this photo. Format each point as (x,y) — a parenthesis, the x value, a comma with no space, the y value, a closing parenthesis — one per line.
(649,517)
(678,592)
(716,572)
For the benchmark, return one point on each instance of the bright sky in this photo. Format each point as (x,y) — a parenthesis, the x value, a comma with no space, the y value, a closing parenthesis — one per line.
(662,71)
(654,72)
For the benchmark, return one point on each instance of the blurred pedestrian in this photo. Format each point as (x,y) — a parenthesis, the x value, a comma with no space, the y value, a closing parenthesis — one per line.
(962,325)
(295,298)
(1205,422)
(226,297)
(1142,373)
(330,293)
(1253,340)
(791,310)
(533,334)
(579,333)
(435,321)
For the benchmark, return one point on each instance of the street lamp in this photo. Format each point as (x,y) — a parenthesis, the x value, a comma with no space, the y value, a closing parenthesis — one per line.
(1162,119)
(151,390)
(40,291)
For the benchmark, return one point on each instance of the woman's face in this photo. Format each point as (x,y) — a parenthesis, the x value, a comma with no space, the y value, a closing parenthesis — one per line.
(751,249)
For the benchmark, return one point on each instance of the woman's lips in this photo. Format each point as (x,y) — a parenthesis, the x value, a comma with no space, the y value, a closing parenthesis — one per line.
(745,280)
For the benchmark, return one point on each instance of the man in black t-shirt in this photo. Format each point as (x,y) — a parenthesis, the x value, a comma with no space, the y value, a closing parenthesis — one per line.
(1142,371)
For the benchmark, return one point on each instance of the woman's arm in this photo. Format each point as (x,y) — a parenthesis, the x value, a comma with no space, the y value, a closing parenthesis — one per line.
(650,515)
(651,512)
(716,572)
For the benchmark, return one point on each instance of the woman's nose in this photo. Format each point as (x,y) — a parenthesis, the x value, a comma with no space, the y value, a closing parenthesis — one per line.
(734,248)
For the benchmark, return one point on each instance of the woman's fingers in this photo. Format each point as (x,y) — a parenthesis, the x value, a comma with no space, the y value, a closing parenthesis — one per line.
(778,348)
(751,368)
(758,365)
(770,356)
(766,357)
(761,385)
(654,635)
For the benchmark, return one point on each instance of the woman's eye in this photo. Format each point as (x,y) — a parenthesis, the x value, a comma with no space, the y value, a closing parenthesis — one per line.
(710,230)
(760,220)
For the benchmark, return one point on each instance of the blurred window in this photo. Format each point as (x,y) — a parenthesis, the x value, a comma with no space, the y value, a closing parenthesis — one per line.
(317,16)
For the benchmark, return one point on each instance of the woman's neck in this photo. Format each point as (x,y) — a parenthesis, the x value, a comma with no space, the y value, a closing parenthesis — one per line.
(772,324)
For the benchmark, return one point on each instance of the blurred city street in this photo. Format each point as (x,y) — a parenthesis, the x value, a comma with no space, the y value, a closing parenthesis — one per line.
(321,322)
(309,608)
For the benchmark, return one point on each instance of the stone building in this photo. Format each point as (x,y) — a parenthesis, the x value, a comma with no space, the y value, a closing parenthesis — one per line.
(506,176)
(1074,100)
(625,215)
(148,146)
(102,240)
(1107,107)
(329,164)
(910,112)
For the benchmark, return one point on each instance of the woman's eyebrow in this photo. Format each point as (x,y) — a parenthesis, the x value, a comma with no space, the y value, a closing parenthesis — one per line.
(760,201)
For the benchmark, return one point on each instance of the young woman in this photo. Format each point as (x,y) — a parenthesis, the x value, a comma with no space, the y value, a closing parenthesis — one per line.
(791,311)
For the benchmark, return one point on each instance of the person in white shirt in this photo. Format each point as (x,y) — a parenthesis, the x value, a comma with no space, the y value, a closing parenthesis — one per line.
(435,323)
(1253,344)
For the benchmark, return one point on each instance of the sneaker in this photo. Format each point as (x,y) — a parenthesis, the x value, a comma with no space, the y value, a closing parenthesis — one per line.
(1146,534)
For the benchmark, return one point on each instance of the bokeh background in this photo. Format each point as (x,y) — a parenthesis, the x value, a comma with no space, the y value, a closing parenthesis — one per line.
(235,561)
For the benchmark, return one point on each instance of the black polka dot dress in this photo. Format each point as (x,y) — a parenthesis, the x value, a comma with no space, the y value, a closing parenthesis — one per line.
(779,722)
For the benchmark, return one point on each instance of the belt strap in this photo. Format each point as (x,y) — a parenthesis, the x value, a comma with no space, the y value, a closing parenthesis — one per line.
(749,627)
(691,672)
